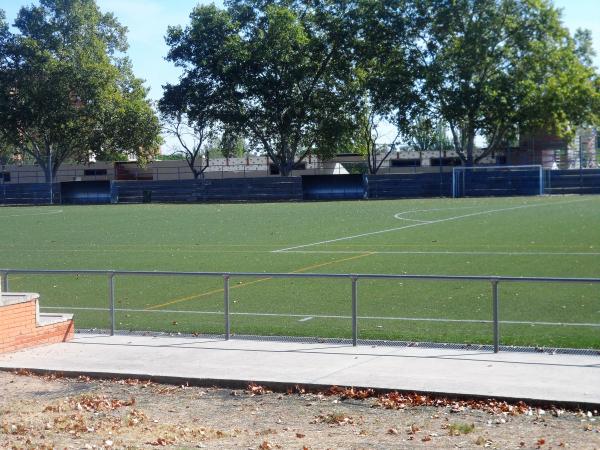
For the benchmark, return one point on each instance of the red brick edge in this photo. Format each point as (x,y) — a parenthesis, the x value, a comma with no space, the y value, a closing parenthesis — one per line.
(19,330)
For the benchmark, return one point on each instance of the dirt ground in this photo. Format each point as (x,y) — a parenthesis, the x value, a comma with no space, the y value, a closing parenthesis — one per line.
(43,412)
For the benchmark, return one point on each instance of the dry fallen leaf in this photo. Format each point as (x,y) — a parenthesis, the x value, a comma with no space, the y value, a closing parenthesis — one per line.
(414,429)
(255,389)
(162,442)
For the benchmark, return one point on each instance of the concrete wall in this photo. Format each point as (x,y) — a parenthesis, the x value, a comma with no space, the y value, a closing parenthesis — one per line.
(219,168)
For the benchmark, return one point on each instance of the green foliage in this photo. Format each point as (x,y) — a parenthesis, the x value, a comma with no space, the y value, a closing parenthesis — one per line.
(317,76)
(584,46)
(65,95)
(427,135)
(231,144)
(390,65)
(499,67)
(277,72)
(422,135)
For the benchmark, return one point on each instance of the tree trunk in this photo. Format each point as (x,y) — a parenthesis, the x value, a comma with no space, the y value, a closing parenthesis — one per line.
(50,169)
(470,148)
(285,168)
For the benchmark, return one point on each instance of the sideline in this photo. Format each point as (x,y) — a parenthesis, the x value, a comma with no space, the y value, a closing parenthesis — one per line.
(60,211)
(444,252)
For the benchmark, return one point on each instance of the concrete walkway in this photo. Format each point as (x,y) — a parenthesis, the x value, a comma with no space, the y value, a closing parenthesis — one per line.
(527,376)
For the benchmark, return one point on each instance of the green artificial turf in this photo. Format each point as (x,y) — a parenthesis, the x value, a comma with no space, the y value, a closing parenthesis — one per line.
(525,236)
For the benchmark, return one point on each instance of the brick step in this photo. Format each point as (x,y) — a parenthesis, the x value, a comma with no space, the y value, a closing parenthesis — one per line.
(23,326)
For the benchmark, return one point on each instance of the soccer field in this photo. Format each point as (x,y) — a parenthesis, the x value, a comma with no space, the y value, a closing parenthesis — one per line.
(525,236)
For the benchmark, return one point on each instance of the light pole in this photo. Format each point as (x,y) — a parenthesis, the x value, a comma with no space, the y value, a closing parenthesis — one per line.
(51,176)
(580,160)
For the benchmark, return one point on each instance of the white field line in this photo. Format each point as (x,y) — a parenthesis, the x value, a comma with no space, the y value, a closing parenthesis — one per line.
(60,211)
(475,253)
(400,215)
(327,316)
(306,319)
(411,220)
(447,219)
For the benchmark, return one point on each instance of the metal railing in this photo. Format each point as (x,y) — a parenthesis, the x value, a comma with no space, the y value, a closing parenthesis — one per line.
(354,278)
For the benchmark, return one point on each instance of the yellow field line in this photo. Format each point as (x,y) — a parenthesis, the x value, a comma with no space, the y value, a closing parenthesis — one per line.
(248,283)
(205,294)
(315,266)
(13,278)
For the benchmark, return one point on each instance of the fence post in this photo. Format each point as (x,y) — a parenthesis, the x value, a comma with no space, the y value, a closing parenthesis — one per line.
(354,310)
(111,297)
(226,306)
(496,323)
(4,276)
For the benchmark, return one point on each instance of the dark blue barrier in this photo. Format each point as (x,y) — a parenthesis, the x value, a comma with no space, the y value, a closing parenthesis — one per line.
(28,193)
(410,185)
(498,183)
(586,181)
(322,187)
(220,190)
(333,187)
(85,192)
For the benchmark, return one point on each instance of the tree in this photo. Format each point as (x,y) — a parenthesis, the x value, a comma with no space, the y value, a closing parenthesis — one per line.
(496,68)
(231,144)
(365,140)
(7,152)
(280,72)
(584,46)
(427,135)
(65,94)
(191,138)
(191,123)
(422,136)
(387,71)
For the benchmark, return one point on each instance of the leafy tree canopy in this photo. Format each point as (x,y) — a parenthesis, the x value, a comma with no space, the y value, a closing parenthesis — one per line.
(500,67)
(65,93)
(281,72)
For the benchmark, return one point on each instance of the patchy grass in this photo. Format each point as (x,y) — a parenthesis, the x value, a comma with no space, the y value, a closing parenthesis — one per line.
(456,429)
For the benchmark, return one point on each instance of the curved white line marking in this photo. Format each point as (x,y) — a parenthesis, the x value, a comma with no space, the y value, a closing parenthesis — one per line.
(413,225)
(400,214)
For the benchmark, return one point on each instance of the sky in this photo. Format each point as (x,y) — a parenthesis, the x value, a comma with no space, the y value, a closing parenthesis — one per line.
(147,21)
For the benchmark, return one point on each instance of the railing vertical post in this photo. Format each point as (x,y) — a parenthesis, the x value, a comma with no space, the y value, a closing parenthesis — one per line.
(226,306)
(354,311)
(111,297)
(496,322)
(4,276)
